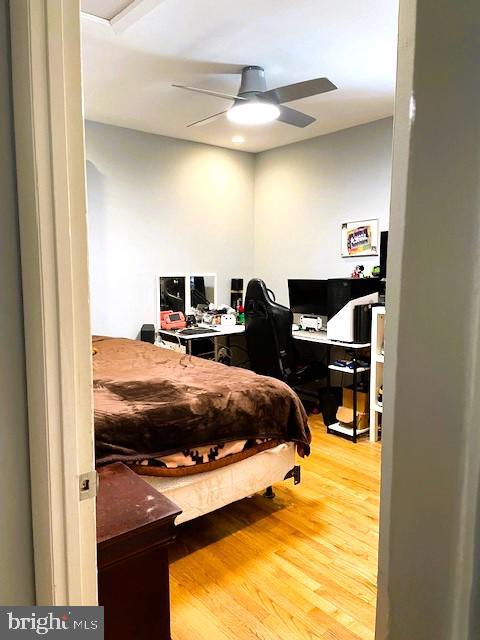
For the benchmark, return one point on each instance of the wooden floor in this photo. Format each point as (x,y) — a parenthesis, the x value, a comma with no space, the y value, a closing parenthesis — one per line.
(300,566)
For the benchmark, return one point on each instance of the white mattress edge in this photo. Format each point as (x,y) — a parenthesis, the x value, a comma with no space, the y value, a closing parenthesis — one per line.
(202,493)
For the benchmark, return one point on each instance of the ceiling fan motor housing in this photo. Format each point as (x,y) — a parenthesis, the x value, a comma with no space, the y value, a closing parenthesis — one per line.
(253,81)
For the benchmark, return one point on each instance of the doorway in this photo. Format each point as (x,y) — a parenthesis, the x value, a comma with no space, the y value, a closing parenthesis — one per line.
(406,466)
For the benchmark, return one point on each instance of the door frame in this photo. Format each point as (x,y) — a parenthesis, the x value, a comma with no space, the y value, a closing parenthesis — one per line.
(49,136)
(49,140)
(429,561)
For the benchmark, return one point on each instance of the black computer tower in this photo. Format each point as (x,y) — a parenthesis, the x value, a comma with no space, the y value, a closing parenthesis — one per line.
(342,290)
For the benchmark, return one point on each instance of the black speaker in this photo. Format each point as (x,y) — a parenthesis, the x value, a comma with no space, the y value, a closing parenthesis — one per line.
(383,253)
(236,293)
(362,323)
(147,333)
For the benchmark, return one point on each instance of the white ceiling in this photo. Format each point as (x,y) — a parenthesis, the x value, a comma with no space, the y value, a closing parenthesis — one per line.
(106,9)
(129,67)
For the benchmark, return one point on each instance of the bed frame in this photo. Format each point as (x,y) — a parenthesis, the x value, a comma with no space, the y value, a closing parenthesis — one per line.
(203,493)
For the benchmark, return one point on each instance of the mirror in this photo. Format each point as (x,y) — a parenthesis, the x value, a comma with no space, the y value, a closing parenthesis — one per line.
(172,293)
(202,289)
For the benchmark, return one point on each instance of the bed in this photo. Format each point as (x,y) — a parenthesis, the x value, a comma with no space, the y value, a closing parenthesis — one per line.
(200,432)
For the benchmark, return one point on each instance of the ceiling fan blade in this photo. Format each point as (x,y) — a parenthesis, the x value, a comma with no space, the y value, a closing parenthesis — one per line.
(300,90)
(200,123)
(225,96)
(294,117)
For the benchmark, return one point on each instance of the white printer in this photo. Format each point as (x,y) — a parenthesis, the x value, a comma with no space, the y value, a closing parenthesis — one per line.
(311,322)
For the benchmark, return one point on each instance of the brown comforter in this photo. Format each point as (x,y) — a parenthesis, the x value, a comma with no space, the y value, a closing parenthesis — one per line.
(150,401)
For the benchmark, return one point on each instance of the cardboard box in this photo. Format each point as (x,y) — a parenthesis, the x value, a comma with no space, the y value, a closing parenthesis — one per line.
(362,400)
(345,416)
(345,412)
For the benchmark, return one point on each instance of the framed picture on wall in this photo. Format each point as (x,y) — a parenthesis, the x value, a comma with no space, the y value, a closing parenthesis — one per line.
(360,238)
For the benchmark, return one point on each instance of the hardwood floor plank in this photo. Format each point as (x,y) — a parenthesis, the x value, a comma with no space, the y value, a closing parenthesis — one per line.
(300,567)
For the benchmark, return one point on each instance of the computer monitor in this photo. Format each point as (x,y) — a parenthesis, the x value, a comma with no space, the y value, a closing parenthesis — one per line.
(308,296)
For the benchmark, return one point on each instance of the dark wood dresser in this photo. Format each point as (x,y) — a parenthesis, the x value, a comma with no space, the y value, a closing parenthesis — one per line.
(135,525)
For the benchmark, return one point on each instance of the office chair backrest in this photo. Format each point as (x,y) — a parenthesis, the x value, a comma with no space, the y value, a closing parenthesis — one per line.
(268,332)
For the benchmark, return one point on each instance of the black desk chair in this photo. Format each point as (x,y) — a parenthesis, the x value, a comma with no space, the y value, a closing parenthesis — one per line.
(271,348)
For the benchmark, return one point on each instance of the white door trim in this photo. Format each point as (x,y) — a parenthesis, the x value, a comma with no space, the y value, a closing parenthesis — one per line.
(51,185)
(428,581)
(49,138)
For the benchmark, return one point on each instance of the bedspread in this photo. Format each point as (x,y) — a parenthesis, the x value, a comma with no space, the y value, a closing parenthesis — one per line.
(150,402)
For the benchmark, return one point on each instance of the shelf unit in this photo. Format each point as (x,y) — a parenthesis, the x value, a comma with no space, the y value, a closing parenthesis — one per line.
(376,374)
(342,429)
(352,433)
(336,367)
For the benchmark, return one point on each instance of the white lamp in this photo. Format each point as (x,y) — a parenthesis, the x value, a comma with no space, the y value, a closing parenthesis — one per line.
(253,112)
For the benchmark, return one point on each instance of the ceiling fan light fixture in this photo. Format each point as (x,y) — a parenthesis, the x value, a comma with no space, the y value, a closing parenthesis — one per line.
(252,113)
(255,104)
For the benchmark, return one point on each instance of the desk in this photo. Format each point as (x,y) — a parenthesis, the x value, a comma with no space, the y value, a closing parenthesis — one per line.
(320,337)
(220,331)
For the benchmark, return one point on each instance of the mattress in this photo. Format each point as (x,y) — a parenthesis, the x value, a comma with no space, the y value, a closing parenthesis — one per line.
(205,492)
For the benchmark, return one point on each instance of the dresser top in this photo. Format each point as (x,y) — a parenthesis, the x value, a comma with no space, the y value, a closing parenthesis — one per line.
(126,503)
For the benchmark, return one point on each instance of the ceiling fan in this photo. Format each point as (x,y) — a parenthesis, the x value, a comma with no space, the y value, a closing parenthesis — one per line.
(254,104)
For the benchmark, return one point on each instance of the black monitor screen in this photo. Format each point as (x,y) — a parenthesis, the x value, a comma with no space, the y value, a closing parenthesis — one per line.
(308,296)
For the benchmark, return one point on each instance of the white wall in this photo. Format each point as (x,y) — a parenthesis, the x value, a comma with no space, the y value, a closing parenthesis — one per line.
(16,551)
(157,204)
(160,205)
(305,191)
